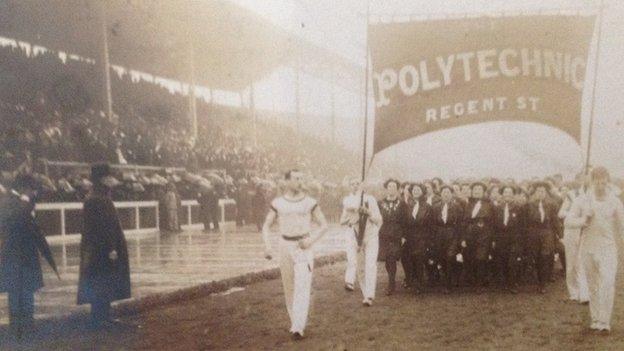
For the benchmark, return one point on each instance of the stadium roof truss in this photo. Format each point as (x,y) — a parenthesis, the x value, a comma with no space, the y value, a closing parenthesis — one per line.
(231,46)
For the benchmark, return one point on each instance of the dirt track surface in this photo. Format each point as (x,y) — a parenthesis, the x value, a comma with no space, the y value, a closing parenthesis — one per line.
(256,319)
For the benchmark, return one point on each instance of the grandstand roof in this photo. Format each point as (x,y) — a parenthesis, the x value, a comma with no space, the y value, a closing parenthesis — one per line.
(232,46)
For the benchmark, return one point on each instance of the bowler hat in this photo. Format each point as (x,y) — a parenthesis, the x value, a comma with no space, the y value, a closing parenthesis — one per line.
(25,181)
(99,171)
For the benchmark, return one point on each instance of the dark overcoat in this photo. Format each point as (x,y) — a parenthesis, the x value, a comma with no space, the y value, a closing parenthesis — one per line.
(102,279)
(22,241)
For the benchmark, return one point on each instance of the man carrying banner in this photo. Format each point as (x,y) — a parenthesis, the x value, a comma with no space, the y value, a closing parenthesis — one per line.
(295,212)
(600,214)
(362,249)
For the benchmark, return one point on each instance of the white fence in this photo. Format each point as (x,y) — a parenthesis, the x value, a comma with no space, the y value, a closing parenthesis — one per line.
(62,221)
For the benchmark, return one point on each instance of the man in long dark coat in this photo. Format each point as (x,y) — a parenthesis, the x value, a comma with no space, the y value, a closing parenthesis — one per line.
(104,269)
(20,242)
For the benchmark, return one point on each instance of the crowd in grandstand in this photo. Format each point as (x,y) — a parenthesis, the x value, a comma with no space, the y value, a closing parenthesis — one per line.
(51,109)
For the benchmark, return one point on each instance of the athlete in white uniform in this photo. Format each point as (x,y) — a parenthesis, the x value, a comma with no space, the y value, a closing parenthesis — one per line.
(575,272)
(361,261)
(294,213)
(600,214)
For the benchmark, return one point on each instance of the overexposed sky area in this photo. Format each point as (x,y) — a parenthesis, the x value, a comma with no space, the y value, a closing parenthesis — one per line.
(499,149)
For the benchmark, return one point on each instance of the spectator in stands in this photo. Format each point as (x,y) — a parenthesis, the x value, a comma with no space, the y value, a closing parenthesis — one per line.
(171,208)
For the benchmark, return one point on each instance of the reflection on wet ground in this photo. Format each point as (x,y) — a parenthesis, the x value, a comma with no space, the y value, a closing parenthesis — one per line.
(164,262)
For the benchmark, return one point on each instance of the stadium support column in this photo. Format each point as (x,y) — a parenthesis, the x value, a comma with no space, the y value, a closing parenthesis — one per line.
(105,59)
(254,115)
(297,95)
(333,110)
(191,93)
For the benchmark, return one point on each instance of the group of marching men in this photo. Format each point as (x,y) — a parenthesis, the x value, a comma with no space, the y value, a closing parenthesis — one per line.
(476,236)
(460,233)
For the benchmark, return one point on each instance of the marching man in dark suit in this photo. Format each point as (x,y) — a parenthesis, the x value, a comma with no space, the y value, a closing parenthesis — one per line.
(417,235)
(104,269)
(391,231)
(21,241)
(508,229)
(446,220)
(478,234)
(542,227)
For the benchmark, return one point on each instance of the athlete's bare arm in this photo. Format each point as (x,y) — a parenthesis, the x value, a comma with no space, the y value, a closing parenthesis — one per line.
(266,234)
(319,218)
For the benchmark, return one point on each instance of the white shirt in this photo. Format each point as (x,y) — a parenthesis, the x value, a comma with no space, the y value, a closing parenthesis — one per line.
(475,210)
(351,203)
(506,215)
(294,217)
(430,200)
(606,223)
(445,213)
(415,210)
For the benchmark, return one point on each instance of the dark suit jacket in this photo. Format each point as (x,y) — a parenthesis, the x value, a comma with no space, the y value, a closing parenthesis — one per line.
(515,222)
(418,230)
(551,219)
(478,231)
(446,235)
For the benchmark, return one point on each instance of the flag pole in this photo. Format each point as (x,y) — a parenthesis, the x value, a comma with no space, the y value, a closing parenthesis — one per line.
(363,218)
(593,97)
(367,67)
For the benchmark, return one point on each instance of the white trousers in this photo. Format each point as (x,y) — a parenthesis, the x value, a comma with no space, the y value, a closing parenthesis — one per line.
(600,267)
(296,267)
(362,263)
(575,271)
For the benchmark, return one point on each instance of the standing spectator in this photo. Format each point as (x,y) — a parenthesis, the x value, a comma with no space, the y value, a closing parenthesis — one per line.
(208,201)
(259,206)
(104,268)
(171,208)
(240,192)
(21,241)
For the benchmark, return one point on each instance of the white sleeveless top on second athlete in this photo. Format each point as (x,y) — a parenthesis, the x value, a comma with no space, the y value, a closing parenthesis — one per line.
(294,216)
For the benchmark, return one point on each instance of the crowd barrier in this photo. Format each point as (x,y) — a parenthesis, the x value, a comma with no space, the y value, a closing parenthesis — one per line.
(62,222)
